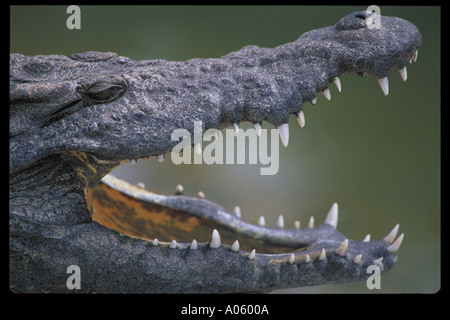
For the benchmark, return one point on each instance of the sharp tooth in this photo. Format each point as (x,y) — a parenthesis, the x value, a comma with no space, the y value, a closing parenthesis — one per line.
(141,185)
(377,261)
(261,221)
(297,225)
(314,101)
(201,195)
(301,119)
(179,190)
(415,55)
(215,240)
(337,81)
(384,84)
(283,130)
(311,222)
(258,129)
(367,238)
(237,211)
(173,244)
(403,73)
(133,161)
(236,127)
(252,254)
(342,250)
(155,242)
(194,245)
(323,255)
(391,236)
(235,246)
(307,259)
(357,259)
(393,248)
(161,157)
(327,94)
(291,259)
(198,148)
(280,222)
(332,216)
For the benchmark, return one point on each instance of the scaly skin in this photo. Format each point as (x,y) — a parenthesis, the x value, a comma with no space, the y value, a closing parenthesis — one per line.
(73,119)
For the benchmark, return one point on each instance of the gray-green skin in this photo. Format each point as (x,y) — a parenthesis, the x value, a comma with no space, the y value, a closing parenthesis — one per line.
(115,109)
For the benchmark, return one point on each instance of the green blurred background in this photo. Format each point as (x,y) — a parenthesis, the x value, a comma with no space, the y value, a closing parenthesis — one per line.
(377,156)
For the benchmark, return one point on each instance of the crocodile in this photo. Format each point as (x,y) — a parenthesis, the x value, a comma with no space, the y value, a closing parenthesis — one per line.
(74,119)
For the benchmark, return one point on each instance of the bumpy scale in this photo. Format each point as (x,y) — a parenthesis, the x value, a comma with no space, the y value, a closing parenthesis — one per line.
(73,119)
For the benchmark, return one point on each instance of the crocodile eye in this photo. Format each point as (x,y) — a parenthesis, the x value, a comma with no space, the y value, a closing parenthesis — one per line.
(104,91)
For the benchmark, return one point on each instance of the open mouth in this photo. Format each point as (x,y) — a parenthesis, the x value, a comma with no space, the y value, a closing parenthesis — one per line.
(74,119)
(182,222)
(195,223)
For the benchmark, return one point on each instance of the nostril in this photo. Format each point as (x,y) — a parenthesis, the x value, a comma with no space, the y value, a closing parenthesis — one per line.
(353,21)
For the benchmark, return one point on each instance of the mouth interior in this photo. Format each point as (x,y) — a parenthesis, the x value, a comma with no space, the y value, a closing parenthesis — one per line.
(136,213)
(139,213)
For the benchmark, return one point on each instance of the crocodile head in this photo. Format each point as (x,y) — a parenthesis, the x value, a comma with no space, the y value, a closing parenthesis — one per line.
(74,119)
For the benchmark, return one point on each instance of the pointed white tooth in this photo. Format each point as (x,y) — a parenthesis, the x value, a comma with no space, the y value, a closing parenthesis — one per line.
(161,157)
(323,255)
(283,130)
(133,161)
(258,129)
(357,258)
(307,259)
(403,73)
(327,93)
(194,245)
(155,242)
(311,222)
(215,240)
(415,55)
(252,254)
(314,101)
(332,216)
(393,248)
(384,84)
(391,236)
(235,246)
(301,119)
(297,225)
(236,127)
(201,195)
(179,189)
(261,221)
(237,211)
(342,250)
(337,82)
(291,259)
(173,244)
(280,221)
(377,261)
(198,148)
(140,185)
(367,238)
(410,60)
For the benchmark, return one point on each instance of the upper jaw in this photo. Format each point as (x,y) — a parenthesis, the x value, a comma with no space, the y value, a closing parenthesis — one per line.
(283,127)
(162,97)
